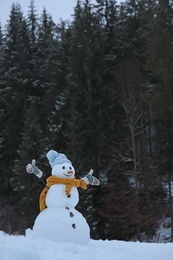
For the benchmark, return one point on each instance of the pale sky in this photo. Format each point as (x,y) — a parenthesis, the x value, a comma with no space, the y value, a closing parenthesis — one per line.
(58,9)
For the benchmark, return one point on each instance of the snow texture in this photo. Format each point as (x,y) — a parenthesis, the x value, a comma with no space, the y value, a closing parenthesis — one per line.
(25,248)
(56,197)
(60,221)
(62,225)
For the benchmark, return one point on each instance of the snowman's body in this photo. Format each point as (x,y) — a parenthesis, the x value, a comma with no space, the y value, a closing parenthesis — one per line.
(60,221)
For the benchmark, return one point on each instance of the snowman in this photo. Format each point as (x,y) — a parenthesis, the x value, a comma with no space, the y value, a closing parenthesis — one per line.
(58,220)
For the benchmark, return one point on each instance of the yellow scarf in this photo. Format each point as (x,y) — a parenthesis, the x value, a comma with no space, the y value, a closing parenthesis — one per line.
(55,180)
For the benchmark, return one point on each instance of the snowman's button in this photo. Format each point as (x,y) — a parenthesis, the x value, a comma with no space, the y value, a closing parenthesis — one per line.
(69,196)
(67,208)
(73,225)
(71,214)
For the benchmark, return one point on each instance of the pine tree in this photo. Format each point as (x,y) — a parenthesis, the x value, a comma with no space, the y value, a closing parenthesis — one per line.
(89,116)
(2,102)
(32,22)
(160,64)
(16,55)
(131,31)
(15,81)
(27,187)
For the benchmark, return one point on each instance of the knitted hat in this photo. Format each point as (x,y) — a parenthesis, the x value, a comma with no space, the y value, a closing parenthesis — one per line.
(56,158)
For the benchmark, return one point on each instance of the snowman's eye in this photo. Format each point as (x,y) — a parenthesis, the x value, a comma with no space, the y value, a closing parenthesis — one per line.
(70,168)
(63,167)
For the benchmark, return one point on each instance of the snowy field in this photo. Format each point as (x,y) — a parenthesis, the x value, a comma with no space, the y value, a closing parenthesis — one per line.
(25,248)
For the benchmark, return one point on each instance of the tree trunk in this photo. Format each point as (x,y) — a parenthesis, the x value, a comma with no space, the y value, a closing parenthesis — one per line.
(170,202)
(136,183)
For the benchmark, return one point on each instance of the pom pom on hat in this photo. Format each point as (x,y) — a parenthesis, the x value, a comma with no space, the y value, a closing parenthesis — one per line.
(56,158)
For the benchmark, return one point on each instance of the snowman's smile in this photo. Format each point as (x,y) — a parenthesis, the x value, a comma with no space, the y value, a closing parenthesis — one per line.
(67,175)
(70,173)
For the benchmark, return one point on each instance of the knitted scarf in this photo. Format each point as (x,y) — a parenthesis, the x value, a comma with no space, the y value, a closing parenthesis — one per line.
(55,180)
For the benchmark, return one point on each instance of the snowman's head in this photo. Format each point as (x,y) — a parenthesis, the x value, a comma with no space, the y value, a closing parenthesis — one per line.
(61,166)
(64,170)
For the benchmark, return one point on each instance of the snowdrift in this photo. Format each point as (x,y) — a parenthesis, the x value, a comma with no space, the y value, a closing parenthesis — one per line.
(25,248)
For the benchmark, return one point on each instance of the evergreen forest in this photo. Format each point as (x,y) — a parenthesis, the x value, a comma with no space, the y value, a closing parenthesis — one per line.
(98,88)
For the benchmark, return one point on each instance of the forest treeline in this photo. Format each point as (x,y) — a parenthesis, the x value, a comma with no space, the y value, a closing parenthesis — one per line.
(98,88)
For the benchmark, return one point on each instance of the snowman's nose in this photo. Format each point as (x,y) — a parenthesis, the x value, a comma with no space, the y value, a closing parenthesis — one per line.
(70,172)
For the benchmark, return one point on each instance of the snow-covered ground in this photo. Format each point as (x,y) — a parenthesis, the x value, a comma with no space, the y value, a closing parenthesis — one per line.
(25,248)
